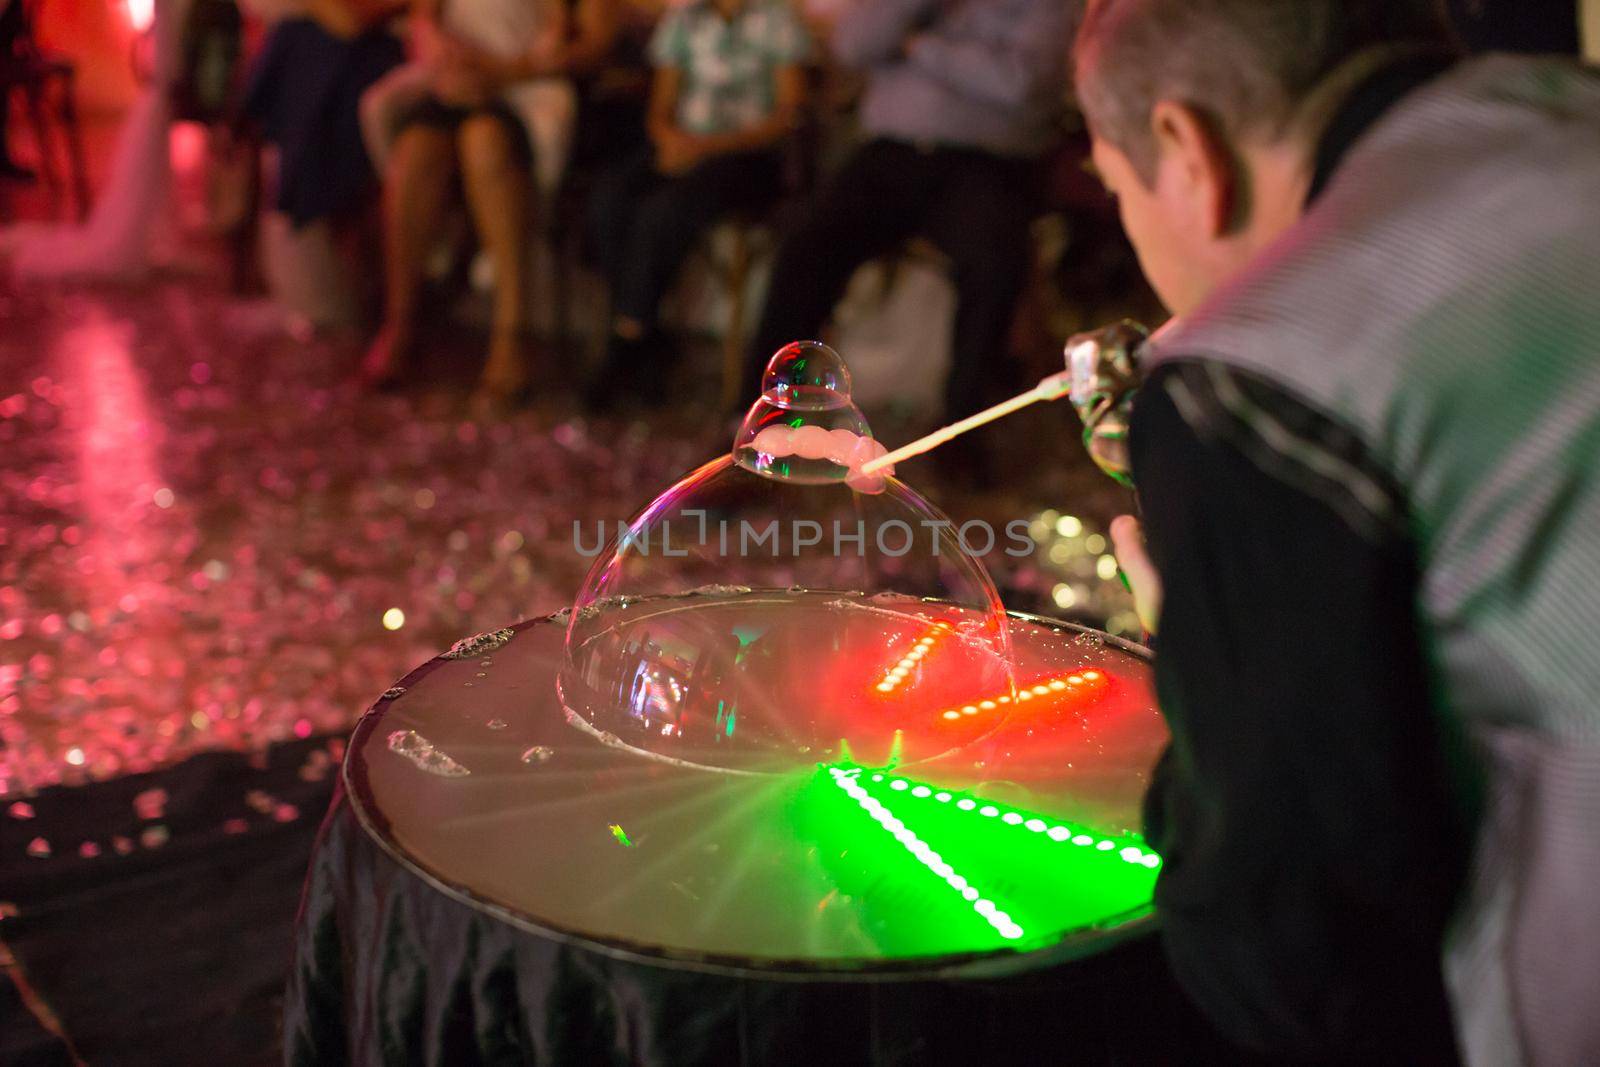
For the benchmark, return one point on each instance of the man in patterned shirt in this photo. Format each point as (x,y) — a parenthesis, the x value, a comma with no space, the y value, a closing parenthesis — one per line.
(1365,450)
(727,91)
(960,101)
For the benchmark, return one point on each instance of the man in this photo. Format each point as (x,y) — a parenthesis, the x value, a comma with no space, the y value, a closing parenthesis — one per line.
(1366,452)
(960,100)
(727,90)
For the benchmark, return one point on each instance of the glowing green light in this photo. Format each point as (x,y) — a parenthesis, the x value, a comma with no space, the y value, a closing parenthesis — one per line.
(621,836)
(846,780)
(1055,831)
(930,869)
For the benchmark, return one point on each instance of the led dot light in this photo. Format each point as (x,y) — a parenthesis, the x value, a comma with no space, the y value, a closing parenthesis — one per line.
(907,822)
(1087,681)
(896,675)
(1003,924)
(1058,832)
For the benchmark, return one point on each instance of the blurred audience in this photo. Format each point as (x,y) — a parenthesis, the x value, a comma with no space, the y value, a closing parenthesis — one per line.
(305,89)
(304,92)
(728,86)
(960,102)
(488,99)
(13,30)
(613,92)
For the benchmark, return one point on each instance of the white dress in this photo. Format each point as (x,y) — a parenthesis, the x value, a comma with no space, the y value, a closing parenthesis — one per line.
(115,241)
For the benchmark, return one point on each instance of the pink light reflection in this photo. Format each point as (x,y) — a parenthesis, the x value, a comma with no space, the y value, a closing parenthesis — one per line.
(109,414)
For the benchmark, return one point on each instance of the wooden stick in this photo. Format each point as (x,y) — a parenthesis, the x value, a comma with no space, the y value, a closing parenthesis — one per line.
(1052,388)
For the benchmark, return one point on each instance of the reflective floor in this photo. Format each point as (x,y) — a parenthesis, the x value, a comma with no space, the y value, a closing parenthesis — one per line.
(208,539)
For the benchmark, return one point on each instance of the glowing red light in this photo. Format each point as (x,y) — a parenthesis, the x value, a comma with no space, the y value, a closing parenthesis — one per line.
(141,14)
(902,669)
(1079,686)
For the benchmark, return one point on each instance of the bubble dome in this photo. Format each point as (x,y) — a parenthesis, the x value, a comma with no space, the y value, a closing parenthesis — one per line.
(765,614)
(786,729)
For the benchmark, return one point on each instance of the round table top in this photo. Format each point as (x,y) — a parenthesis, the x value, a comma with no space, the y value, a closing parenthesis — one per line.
(1019,850)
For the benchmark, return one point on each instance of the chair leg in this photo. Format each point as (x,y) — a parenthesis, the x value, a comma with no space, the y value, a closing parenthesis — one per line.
(74,138)
(733,337)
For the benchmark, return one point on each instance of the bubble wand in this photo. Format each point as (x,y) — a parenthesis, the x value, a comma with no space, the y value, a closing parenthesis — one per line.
(1101,377)
(1054,387)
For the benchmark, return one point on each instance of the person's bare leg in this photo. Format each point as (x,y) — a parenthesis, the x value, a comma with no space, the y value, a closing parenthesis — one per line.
(499,194)
(416,185)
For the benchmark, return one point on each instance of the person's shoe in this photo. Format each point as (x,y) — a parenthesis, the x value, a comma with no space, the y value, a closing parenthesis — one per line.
(384,365)
(12,171)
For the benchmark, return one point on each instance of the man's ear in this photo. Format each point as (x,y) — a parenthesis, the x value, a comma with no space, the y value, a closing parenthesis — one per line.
(1207,176)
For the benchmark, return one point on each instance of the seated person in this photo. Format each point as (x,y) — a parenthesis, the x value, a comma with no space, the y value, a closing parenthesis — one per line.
(487,91)
(727,90)
(303,94)
(959,101)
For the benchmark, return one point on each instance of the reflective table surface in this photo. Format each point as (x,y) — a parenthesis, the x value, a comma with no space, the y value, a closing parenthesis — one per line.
(1014,844)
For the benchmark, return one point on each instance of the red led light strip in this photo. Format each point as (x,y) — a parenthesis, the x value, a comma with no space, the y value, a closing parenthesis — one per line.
(898,673)
(1084,682)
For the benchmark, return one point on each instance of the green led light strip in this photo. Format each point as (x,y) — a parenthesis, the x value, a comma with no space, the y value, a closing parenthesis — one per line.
(846,779)
(1056,830)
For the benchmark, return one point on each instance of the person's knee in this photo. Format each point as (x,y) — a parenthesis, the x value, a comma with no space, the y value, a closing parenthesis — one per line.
(420,140)
(486,150)
(421,152)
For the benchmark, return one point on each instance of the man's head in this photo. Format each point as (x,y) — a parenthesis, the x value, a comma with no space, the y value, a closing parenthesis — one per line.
(1205,116)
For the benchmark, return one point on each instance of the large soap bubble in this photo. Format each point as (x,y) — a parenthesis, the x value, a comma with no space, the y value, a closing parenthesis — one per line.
(762,615)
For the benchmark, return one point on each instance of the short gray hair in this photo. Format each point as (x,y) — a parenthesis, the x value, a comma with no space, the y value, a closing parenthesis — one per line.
(1245,65)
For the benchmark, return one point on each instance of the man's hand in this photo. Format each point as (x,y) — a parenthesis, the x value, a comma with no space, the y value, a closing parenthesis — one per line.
(1127,540)
(677,152)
